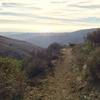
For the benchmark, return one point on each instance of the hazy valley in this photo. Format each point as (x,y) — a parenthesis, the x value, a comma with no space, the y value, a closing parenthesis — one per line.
(48,38)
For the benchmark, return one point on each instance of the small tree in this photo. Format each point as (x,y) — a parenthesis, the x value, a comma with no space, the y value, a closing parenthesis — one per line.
(54,50)
(36,65)
(94,37)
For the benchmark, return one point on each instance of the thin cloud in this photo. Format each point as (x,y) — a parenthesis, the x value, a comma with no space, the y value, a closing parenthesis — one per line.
(90,20)
(10,4)
(33,16)
(19,5)
(11,14)
(36,8)
(58,2)
(83,6)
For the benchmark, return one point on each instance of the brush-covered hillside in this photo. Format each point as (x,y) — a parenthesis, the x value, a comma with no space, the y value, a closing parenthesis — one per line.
(16,48)
(56,73)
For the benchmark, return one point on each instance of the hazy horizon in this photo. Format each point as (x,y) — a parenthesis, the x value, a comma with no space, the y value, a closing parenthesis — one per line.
(48,15)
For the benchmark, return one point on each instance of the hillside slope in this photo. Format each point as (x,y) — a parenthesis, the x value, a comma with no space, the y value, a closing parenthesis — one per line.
(16,48)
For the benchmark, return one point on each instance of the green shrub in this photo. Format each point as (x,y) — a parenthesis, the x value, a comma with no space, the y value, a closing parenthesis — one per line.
(87,48)
(11,79)
(36,65)
(93,63)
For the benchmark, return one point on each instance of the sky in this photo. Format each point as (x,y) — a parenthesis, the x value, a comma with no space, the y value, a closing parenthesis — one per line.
(48,15)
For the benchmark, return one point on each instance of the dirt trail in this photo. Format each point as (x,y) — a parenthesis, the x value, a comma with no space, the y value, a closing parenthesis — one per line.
(61,86)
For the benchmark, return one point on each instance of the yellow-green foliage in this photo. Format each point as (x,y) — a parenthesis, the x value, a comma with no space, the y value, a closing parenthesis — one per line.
(10,65)
(93,63)
(87,48)
(11,78)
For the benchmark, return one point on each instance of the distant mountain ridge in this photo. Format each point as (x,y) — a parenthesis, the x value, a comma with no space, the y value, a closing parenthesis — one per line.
(45,39)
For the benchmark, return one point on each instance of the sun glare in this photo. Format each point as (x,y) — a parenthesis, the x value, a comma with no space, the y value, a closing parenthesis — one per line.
(45,30)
